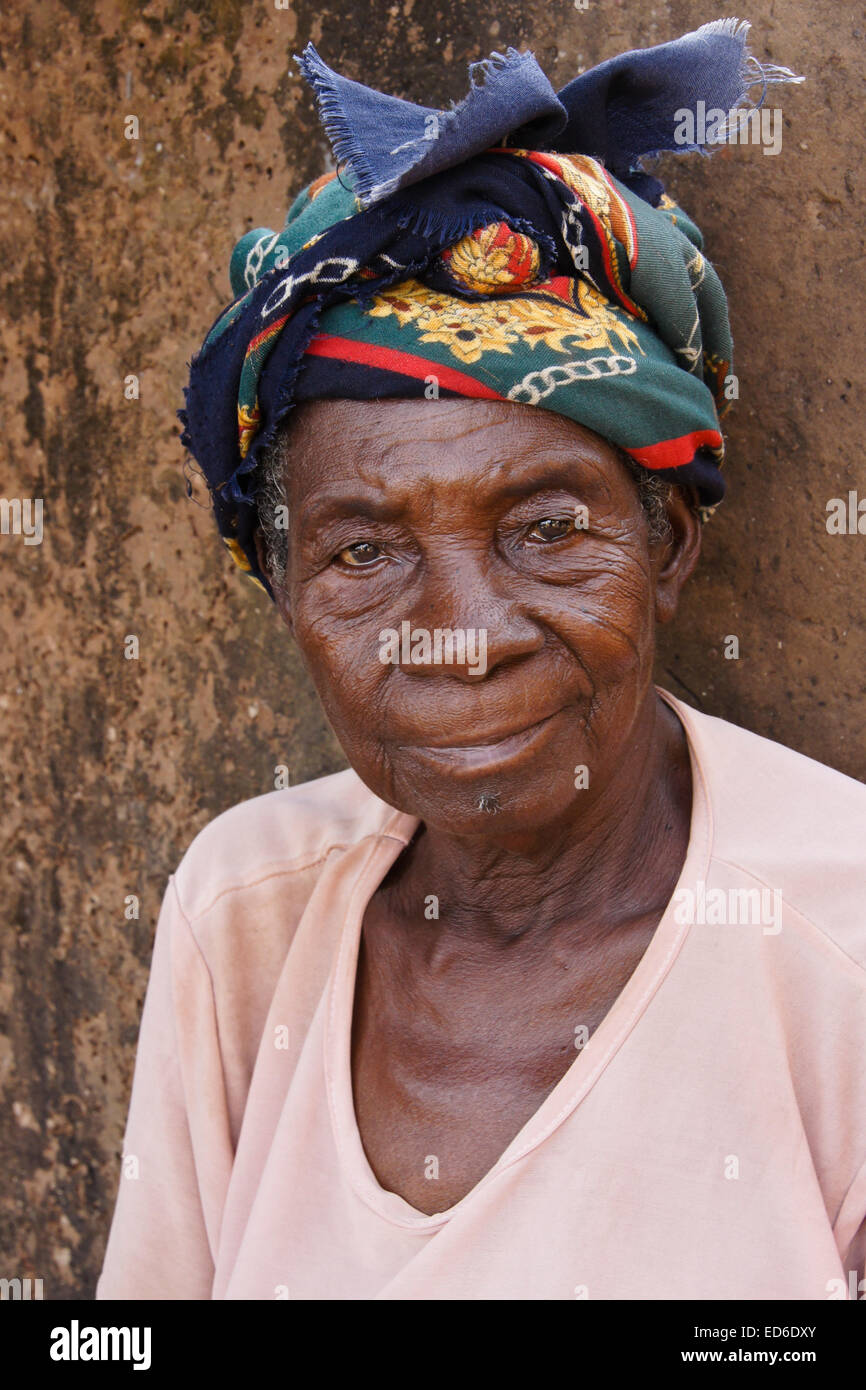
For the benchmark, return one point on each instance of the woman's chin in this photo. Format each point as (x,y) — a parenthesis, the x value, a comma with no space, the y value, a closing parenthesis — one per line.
(518,783)
(494,803)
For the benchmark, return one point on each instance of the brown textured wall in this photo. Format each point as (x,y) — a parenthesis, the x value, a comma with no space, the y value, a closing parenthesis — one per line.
(113,259)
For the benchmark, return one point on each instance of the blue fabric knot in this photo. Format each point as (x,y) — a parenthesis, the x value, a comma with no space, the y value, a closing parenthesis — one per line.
(619,112)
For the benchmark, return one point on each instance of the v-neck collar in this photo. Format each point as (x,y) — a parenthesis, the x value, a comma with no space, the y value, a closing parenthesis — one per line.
(584,1071)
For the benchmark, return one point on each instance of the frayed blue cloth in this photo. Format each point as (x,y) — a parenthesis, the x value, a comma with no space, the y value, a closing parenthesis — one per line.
(418,181)
(619,112)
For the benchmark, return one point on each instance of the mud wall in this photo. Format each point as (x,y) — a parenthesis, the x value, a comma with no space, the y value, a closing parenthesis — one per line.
(113,262)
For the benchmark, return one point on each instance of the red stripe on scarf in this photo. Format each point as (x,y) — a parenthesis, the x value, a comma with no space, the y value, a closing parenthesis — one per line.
(632,260)
(393,360)
(673,453)
(265,334)
(549,162)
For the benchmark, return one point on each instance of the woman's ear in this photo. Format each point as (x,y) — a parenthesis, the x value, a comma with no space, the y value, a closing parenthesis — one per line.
(278,590)
(676,556)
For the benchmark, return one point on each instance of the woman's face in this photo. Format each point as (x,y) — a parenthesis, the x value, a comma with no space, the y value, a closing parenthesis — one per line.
(521,534)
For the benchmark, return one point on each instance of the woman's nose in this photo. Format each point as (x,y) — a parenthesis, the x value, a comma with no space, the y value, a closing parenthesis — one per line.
(466,621)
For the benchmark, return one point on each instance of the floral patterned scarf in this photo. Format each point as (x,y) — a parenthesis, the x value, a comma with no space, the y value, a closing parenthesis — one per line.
(510,249)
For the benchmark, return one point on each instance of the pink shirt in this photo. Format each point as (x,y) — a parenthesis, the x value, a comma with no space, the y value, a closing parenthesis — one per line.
(709,1141)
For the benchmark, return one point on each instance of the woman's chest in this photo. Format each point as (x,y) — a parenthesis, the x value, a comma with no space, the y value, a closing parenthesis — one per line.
(448,1065)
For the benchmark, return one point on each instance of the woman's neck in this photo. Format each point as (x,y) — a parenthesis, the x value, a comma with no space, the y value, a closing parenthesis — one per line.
(616,859)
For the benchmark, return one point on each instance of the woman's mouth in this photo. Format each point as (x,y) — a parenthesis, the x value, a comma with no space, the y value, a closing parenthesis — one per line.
(482,755)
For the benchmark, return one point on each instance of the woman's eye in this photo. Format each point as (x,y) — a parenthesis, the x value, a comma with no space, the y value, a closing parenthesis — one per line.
(552,528)
(359,553)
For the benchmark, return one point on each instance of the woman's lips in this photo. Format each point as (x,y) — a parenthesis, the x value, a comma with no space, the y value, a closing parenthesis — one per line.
(483,755)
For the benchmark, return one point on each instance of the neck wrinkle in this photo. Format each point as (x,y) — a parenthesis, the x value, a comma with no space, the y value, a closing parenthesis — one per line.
(620,860)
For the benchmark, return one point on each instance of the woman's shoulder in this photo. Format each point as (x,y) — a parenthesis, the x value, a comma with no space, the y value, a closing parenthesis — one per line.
(780,779)
(233,910)
(793,823)
(281,834)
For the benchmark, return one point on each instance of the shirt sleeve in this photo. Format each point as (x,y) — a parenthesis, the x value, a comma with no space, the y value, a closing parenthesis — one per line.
(856,1261)
(852,1220)
(177,1149)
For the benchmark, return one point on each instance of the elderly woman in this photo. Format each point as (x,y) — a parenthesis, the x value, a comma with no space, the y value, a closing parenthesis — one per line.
(559,991)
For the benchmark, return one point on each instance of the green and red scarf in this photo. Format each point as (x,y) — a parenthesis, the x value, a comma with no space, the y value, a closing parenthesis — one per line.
(475,253)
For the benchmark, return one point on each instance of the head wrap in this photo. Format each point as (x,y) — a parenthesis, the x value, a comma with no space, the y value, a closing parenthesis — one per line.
(510,248)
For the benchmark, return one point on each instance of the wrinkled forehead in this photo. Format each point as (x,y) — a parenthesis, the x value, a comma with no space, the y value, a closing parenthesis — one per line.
(405,448)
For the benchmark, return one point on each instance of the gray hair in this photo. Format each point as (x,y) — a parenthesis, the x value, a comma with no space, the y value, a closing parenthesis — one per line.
(272,506)
(273,509)
(655,493)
